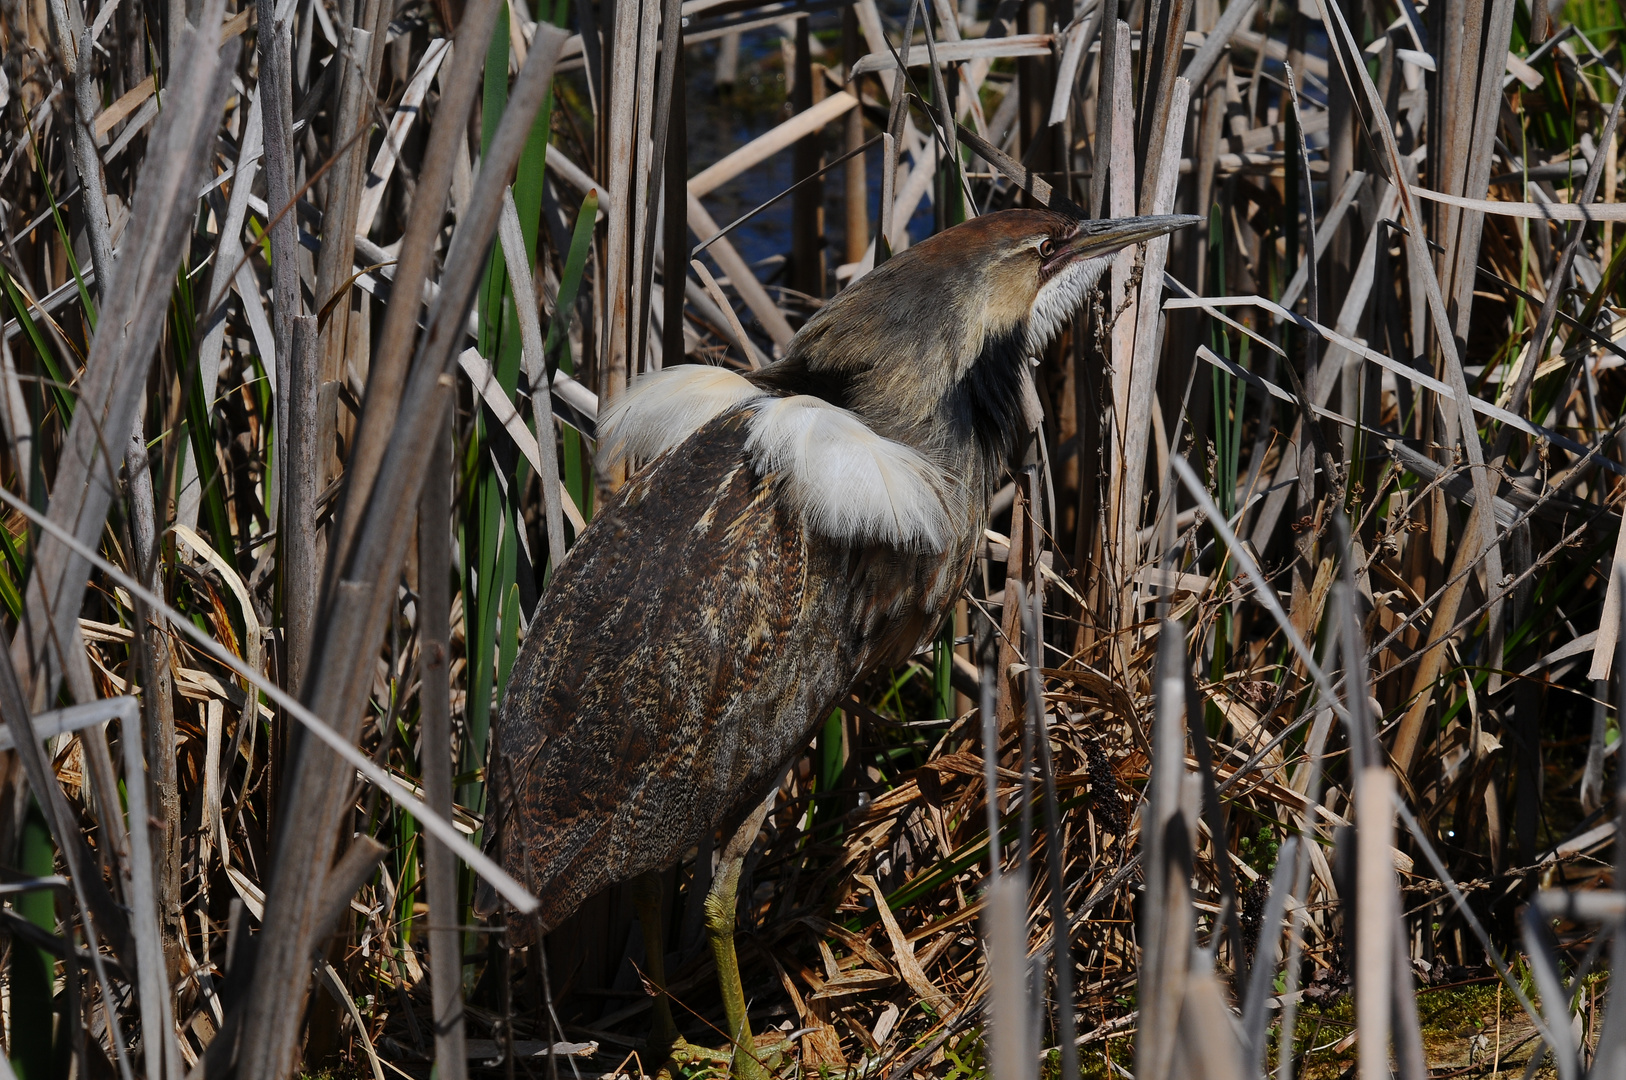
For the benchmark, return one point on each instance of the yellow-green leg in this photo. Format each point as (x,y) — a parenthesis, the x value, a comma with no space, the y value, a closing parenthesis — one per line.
(646,899)
(720,905)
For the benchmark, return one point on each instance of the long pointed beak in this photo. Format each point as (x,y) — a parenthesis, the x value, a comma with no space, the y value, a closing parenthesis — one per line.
(1096,238)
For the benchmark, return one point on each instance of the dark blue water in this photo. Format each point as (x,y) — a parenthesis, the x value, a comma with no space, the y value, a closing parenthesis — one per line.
(720,123)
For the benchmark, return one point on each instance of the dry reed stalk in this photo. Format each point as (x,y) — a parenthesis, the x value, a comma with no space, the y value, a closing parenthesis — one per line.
(158,697)
(646,187)
(621,116)
(301,544)
(1149,329)
(1122,517)
(388,373)
(1011,1052)
(353,92)
(676,240)
(157,1025)
(1167,923)
(740,278)
(1375,919)
(275,92)
(440,871)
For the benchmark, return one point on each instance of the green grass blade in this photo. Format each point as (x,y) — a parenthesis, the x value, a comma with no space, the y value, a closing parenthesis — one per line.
(61,228)
(407,866)
(200,424)
(578,477)
(33,970)
(15,570)
(509,638)
(942,665)
(493,102)
(59,391)
(581,242)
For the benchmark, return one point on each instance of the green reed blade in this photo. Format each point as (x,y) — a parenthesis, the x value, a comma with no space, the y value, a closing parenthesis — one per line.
(527,188)
(62,228)
(58,388)
(494,100)
(581,242)
(531,177)
(200,423)
(494,516)
(509,635)
(11,594)
(33,970)
(832,756)
(578,474)
(488,540)
(406,872)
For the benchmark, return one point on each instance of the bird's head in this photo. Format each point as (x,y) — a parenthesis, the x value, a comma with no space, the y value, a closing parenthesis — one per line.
(934,346)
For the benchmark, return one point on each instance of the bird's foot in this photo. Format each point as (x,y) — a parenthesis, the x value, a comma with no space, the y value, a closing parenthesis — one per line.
(686,1061)
(773,1050)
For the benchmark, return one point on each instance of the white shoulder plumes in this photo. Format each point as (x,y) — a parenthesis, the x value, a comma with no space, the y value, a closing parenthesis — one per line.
(848,483)
(665,407)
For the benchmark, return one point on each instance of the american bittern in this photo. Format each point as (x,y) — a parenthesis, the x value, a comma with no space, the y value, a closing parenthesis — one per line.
(793,529)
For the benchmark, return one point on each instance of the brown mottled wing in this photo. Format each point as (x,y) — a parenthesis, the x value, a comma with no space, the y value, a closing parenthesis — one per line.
(682,654)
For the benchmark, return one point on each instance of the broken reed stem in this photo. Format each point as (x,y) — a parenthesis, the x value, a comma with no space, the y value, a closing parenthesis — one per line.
(158,683)
(301,542)
(1061,954)
(435,694)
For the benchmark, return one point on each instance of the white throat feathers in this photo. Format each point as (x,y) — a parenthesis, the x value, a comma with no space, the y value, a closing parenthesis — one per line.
(1059,298)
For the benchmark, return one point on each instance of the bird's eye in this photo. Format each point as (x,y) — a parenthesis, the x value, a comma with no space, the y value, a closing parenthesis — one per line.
(1047,248)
